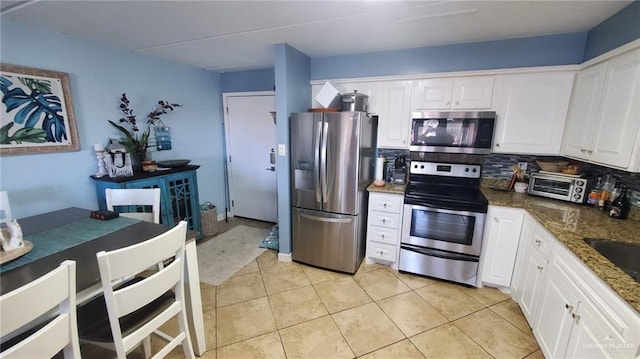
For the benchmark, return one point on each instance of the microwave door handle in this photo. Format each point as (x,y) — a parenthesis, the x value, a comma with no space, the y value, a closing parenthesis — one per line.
(316,154)
(323,161)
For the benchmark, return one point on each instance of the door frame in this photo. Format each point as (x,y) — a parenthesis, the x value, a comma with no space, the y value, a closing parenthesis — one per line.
(227,163)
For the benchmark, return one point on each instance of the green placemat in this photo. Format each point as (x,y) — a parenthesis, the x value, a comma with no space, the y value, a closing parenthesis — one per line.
(70,235)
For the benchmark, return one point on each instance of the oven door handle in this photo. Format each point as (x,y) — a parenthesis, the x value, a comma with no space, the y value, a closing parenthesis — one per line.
(429,207)
(440,254)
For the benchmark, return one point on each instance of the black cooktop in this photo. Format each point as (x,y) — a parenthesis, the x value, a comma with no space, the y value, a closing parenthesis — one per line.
(443,195)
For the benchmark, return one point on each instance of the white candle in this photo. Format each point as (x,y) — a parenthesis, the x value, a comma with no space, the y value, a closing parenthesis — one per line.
(98,147)
(379,168)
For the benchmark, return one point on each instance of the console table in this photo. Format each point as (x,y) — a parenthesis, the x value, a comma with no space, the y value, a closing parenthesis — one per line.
(179,192)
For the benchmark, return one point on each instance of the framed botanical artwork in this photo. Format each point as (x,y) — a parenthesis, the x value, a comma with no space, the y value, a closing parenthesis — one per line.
(36,113)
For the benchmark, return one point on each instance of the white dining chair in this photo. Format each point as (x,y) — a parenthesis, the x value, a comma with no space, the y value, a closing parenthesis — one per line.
(135,197)
(51,293)
(5,208)
(128,314)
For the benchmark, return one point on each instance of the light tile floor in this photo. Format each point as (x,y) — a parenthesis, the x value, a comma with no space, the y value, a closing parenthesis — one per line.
(272,309)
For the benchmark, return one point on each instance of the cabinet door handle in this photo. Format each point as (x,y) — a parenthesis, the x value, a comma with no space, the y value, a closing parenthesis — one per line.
(497,145)
(384,220)
(457,102)
(384,205)
(575,316)
(537,242)
(589,152)
(569,308)
(448,103)
(382,236)
(540,268)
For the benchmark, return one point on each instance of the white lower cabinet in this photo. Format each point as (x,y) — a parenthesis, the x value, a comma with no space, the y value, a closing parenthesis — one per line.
(500,245)
(531,266)
(384,222)
(572,312)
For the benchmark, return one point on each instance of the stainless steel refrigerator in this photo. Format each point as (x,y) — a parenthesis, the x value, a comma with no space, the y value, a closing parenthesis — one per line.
(332,163)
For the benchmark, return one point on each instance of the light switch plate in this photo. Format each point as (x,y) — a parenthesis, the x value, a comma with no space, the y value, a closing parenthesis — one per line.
(281,150)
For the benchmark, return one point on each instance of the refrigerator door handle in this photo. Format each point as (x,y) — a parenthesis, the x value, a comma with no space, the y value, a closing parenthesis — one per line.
(316,154)
(323,161)
(325,219)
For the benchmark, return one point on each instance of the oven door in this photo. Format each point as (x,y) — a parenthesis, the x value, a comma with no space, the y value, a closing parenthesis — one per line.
(443,229)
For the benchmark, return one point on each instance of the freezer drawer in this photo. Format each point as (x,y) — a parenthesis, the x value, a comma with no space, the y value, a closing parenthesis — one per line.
(326,240)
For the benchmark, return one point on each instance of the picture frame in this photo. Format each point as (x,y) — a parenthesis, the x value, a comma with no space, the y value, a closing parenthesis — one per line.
(36,112)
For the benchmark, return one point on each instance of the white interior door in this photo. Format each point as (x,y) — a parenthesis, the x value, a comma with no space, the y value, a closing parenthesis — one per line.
(251,138)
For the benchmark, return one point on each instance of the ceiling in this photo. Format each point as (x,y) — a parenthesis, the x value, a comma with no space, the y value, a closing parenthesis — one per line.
(239,35)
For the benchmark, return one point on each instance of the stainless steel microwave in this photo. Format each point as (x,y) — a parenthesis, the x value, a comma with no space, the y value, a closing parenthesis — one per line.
(452,132)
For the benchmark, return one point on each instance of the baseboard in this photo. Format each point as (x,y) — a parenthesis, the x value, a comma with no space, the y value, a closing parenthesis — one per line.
(284,257)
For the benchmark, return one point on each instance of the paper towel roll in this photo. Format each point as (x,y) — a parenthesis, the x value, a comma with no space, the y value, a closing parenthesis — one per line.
(379,168)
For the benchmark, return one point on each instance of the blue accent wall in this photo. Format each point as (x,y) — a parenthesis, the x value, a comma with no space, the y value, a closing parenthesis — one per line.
(564,49)
(619,29)
(247,81)
(292,69)
(98,76)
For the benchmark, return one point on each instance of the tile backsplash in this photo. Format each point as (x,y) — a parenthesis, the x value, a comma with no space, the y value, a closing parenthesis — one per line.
(499,166)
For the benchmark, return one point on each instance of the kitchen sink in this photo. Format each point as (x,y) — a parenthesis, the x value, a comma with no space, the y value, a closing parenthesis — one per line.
(625,256)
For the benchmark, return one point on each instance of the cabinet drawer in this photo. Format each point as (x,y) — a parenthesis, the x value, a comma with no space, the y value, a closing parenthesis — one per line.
(382,251)
(383,235)
(384,219)
(385,202)
(541,241)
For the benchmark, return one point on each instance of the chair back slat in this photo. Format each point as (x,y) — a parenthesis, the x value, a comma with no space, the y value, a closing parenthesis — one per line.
(135,296)
(131,260)
(132,197)
(45,343)
(51,295)
(34,299)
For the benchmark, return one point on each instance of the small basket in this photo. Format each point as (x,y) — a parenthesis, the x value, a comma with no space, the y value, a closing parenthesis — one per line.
(208,219)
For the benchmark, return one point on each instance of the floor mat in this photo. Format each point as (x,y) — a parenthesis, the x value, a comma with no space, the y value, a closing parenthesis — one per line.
(272,240)
(221,256)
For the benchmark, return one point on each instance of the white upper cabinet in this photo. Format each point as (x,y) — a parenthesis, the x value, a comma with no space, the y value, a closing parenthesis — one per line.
(394,116)
(583,111)
(391,101)
(462,93)
(531,112)
(604,117)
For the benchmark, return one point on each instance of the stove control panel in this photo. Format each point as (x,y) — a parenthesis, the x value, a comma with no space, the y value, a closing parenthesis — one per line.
(445,169)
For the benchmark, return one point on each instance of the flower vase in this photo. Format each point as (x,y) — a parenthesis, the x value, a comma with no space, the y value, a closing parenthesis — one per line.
(136,161)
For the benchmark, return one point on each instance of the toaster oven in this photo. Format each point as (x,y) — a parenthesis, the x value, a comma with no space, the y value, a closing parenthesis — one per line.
(570,188)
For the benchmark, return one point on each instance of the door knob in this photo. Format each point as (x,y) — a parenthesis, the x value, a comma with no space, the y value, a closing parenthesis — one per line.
(272,168)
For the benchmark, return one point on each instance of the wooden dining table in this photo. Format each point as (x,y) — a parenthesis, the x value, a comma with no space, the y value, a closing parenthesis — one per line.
(88,285)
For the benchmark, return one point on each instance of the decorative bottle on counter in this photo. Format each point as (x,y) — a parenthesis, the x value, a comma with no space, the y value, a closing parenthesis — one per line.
(606,189)
(594,195)
(613,195)
(621,206)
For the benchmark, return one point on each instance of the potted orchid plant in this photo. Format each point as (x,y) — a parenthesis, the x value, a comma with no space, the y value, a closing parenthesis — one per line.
(134,141)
